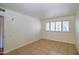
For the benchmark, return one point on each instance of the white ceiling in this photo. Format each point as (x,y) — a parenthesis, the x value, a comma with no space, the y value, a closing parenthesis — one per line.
(42,9)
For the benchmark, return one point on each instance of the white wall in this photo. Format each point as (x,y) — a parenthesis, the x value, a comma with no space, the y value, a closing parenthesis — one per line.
(77,30)
(68,37)
(20,31)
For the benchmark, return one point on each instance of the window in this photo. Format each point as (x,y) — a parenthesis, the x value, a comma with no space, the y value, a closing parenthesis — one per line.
(47,26)
(58,26)
(52,26)
(65,26)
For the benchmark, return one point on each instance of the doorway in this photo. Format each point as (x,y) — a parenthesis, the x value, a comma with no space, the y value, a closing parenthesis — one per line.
(1,34)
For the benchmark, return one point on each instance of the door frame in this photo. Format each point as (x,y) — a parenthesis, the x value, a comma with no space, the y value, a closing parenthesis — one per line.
(2,30)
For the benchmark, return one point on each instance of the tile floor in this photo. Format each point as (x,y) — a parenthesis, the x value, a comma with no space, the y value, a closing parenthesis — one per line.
(46,47)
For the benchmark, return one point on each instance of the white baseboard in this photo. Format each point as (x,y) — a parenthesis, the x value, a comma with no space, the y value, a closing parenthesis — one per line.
(60,41)
(5,52)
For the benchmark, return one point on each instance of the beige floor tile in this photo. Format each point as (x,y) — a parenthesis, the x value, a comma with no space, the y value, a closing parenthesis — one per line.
(46,47)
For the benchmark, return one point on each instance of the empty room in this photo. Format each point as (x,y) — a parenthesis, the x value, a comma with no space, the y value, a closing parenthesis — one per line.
(39,29)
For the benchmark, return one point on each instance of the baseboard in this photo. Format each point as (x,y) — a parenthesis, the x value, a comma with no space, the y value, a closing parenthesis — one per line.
(66,43)
(30,43)
(5,52)
(60,41)
(77,49)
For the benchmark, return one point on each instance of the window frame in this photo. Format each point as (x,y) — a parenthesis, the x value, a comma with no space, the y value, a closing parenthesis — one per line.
(61,25)
(46,26)
(54,26)
(66,26)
